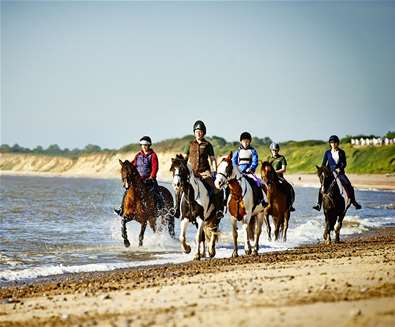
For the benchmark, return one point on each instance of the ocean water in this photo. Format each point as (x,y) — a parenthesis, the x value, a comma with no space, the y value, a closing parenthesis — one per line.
(56,225)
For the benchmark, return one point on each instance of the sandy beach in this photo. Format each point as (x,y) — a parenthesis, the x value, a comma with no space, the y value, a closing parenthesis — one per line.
(346,284)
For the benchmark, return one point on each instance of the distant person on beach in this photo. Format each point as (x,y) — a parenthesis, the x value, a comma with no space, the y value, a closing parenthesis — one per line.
(335,160)
(279,163)
(200,154)
(147,164)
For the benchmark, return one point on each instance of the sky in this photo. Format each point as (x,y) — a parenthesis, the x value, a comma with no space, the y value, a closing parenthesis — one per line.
(107,73)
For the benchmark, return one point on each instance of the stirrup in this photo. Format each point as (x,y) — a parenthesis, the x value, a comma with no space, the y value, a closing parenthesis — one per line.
(291,208)
(317,207)
(117,212)
(357,205)
(219,214)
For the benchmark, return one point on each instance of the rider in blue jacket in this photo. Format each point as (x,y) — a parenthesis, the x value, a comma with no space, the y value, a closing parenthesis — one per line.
(246,157)
(335,159)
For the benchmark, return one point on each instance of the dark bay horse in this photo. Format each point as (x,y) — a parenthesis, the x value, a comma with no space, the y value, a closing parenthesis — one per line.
(277,196)
(196,208)
(140,204)
(333,203)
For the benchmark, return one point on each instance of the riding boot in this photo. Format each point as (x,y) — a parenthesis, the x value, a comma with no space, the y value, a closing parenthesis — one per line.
(318,205)
(218,201)
(352,198)
(119,211)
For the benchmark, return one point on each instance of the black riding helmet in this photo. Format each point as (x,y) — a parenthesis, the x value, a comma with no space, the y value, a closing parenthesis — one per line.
(145,140)
(199,125)
(333,138)
(245,136)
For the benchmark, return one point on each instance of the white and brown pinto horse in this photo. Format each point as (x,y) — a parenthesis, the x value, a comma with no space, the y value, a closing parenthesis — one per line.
(241,205)
(196,208)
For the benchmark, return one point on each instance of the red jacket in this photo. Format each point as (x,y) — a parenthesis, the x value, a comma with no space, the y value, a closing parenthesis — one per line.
(147,164)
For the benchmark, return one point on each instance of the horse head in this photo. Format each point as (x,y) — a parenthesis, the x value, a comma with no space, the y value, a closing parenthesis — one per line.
(326,177)
(225,172)
(181,173)
(129,173)
(268,173)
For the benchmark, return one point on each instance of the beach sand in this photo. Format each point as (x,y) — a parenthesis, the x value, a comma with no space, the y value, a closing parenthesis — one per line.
(346,284)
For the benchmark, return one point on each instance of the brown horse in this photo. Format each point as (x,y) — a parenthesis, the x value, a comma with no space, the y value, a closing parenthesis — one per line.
(140,203)
(278,200)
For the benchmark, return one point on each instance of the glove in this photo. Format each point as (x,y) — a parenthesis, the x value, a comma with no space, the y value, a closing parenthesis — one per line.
(249,171)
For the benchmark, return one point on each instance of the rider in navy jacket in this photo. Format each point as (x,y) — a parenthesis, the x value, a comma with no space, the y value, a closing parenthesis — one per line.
(335,160)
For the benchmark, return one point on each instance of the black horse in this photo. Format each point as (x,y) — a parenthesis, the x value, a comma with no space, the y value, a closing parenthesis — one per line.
(332,202)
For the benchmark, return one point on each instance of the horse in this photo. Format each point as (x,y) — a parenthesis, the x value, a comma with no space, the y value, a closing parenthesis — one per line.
(333,203)
(140,204)
(241,205)
(195,206)
(278,208)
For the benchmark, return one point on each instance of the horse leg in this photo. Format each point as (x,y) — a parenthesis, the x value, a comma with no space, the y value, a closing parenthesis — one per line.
(124,233)
(234,234)
(338,227)
(285,225)
(276,227)
(247,245)
(184,246)
(170,225)
(258,230)
(198,238)
(211,246)
(268,229)
(142,231)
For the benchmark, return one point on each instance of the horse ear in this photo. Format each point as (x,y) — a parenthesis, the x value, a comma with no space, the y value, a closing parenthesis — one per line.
(318,168)
(120,162)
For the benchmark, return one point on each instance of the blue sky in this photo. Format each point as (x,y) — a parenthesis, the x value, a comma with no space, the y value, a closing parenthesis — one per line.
(106,73)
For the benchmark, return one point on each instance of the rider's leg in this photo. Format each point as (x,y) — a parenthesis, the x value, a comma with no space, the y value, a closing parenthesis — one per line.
(119,211)
(349,189)
(319,202)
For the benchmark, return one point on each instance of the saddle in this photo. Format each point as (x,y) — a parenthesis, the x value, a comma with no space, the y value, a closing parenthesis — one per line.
(257,191)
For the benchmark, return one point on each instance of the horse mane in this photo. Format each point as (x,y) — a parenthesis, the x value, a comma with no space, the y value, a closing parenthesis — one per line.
(272,174)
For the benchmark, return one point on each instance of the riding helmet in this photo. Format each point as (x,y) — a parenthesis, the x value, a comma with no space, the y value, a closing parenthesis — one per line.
(334,138)
(245,136)
(199,125)
(274,146)
(145,140)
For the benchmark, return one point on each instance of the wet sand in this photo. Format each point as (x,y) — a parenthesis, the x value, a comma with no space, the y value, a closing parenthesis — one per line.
(346,284)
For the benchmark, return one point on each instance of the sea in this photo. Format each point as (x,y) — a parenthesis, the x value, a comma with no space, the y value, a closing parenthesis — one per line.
(60,225)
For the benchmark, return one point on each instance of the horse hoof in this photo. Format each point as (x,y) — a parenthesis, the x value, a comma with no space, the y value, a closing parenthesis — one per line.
(211,253)
(255,253)
(247,251)
(126,243)
(196,257)
(235,254)
(140,243)
(187,249)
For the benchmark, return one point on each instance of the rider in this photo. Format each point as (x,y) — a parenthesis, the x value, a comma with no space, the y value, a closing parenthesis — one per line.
(146,162)
(246,157)
(335,160)
(200,154)
(279,164)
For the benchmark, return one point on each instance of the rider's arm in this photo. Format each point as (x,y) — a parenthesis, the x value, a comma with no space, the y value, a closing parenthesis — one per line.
(325,159)
(154,166)
(254,161)
(235,158)
(342,160)
(186,152)
(213,161)
(283,166)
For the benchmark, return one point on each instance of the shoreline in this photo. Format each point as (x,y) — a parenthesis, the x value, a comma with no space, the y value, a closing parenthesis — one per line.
(351,283)
(362,182)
